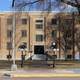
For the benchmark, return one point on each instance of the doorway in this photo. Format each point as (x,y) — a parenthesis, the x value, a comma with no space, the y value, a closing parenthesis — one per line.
(39,49)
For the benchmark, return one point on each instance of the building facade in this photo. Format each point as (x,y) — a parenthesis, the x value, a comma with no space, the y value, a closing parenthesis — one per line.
(38,31)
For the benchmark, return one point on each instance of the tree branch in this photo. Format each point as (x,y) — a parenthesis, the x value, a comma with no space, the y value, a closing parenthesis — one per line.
(23,4)
(78,6)
(71,3)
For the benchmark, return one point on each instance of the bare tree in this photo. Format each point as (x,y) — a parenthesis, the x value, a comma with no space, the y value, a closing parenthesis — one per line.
(46,5)
(74,3)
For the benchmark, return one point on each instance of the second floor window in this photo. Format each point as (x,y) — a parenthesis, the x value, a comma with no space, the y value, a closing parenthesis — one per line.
(39,24)
(23,33)
(39,21)
(9,33)
(24,21)
(39,37)
(9,21)
(54,21)
(67,22)
(54,33)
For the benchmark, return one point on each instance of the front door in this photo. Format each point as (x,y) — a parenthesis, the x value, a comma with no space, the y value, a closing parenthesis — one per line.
(38,49)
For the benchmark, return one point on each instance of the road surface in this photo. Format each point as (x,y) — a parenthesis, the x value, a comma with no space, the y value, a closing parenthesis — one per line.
(1,78)
(46,79)
(41,74)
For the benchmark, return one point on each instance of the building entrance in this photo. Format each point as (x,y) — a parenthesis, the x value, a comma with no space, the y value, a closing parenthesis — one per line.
(39,49)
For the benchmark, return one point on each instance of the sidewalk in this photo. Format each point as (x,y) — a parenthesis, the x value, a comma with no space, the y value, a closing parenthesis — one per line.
(41,73)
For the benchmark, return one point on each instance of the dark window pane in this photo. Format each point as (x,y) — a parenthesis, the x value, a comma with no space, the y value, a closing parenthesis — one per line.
(54,33)
(9,33)
(24,33)
(54,21)
(67,23)
(24,21)
(39,26)
(9,21)
(69,56)
(39,37)
(39,21)
(9,45)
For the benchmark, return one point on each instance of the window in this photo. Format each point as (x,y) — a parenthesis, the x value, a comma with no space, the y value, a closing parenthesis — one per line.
(9,45)
(69,56)
(23,33)
(39,24)
(39,21)
(9,33)
(67,23)
(9,21)
(39,37)
(54,21)
(24,21)
(54,33)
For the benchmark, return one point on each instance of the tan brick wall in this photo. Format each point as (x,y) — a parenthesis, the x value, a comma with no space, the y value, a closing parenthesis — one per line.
(33,16)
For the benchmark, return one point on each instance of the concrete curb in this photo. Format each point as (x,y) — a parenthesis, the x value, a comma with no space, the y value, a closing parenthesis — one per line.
(48,75)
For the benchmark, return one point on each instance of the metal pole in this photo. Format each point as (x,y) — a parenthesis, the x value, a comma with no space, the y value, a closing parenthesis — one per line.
(59,37)
(29,35)
(22,59)
(14,38)
(14,66)
(73,34)
(53,58)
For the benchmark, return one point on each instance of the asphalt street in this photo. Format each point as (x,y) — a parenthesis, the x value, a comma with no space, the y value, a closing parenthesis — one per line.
(45,79)
(41,74)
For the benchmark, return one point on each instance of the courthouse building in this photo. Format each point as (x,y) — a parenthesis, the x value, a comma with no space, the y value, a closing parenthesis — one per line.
(36,30)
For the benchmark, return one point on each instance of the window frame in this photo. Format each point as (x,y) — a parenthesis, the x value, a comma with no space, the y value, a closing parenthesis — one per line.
(9,33)
(24,21)
(9,21)
(39,37)
(54,33)
(23,33)
(54,21)
(39,23)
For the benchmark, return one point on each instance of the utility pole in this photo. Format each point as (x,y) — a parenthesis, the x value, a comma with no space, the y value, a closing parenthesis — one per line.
(14,66)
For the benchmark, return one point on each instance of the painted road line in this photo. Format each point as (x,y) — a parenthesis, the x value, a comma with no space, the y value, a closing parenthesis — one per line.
(47,75)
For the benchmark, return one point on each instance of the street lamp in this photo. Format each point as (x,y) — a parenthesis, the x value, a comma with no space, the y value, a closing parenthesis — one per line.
(22,48)
(54,48)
